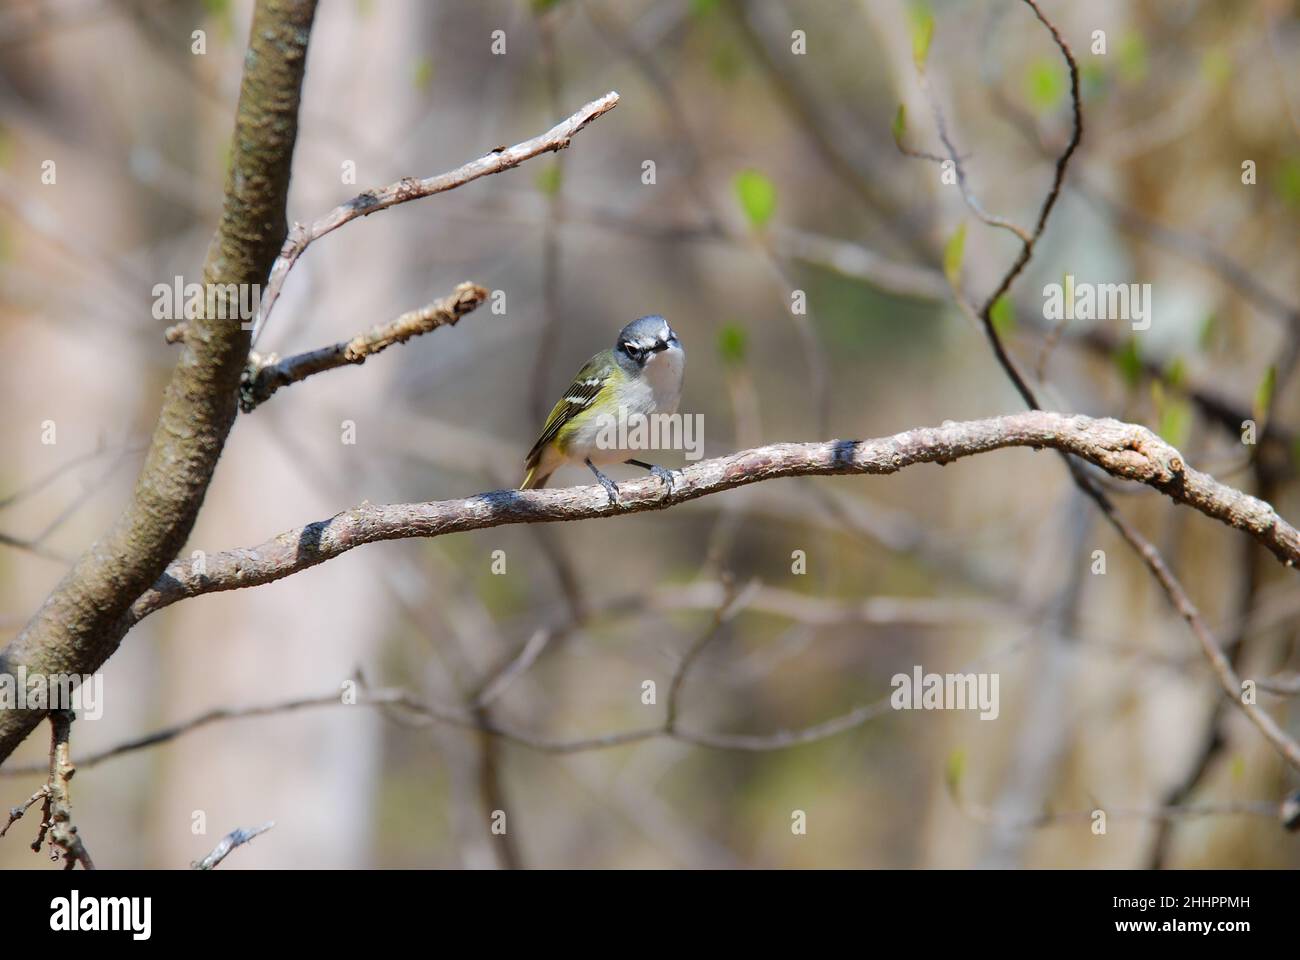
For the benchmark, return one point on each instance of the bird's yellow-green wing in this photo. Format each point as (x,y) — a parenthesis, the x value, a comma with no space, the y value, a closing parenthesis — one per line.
(581,394)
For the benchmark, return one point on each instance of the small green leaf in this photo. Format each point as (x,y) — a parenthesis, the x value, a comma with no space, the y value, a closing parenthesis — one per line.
(549,178)
(1176,374)
(1238,767)
(1264,395)
(1176,422)
(422,75)
(1129,363)
(953,251)
(541,6)
(727,62)
(900,124)
(1133,57)
(757,197)
(1209,329)
(1003,315)
(1216,66)
(1175,415)
(702,8)
(1044,84)
(732,342)
(1287,182)
(954,770)
(922,34)
(222,12)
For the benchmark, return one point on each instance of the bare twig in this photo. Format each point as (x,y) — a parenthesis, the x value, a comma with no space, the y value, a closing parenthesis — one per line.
(473,719)
(968,196)
(394,698)
(828,611)
(413,188)
(1049,202)
(1244,808)
(1283,685)
(16,813)
(1213,740)
(217,715)
(727,608)
(498,681)
(231,840)
(56,813)
(34,547)
(265,375)
(41,482)
(855,260)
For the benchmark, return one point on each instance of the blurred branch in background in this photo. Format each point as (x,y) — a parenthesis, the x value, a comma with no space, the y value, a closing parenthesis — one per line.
(400,704)
(234,838)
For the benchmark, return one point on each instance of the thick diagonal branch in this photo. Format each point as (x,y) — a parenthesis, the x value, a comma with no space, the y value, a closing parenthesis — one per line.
(82,621)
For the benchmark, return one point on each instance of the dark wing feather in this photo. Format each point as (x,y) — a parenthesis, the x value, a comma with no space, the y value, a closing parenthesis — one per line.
(582,391)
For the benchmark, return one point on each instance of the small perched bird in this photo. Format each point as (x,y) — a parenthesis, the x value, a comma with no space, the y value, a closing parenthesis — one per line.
(641,375)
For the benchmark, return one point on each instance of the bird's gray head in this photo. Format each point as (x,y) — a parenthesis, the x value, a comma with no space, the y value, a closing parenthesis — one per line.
(641,339)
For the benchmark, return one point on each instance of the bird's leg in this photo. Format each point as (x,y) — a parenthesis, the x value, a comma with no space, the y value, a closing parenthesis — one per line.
(610,486)
(666,476)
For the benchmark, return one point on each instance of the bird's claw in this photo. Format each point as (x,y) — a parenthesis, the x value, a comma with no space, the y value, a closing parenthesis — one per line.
(666,476)
(611,488)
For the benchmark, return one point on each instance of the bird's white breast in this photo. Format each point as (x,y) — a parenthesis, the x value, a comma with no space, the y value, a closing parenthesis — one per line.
(657,390)
(663,375)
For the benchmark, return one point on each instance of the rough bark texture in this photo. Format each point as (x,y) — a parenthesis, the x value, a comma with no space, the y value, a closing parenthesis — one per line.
(1124,450)
(265,375)
(82,621)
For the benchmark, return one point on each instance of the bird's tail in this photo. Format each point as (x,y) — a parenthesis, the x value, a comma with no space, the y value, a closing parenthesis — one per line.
(534,479)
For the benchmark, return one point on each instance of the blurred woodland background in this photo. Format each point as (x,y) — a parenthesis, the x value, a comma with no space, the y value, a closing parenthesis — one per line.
(774,170)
